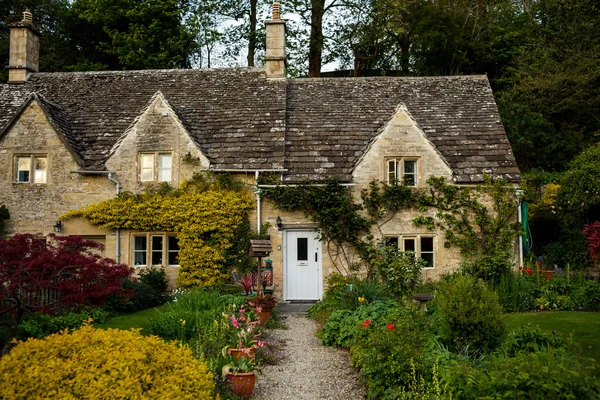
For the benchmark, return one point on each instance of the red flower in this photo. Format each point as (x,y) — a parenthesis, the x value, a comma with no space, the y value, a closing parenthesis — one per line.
(529,271)
(521,268)
(390,327)
(366,323)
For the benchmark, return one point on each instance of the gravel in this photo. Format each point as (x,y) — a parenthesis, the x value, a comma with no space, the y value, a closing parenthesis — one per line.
(309,370)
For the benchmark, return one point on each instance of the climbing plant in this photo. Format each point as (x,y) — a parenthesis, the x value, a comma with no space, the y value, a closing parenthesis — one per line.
(205,212)
(4,215)
(480,221)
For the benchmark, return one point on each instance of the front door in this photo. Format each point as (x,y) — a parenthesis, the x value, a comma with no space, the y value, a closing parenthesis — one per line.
(303,277)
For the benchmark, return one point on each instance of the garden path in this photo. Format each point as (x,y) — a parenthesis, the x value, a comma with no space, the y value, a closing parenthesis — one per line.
(309,370)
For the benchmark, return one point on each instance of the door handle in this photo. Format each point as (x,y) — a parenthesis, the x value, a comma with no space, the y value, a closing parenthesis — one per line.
(316,257)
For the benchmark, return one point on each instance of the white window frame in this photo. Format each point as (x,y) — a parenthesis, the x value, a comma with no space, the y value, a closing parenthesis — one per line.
(33,177)
(149,251)
(418,245)
(158,169)
(398,173)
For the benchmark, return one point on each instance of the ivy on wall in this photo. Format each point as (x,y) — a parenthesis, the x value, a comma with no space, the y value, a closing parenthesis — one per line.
(480,221)
(205,212)
(4,215)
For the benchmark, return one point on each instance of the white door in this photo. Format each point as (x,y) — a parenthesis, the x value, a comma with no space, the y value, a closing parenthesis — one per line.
(303,276)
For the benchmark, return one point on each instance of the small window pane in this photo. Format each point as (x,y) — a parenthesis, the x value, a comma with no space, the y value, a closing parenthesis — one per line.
(173,250)
(392,171)
(409,245)
(391,241)
(302,249)
(410,166)
(428,257)
(40,170)
(139,250)
(23,169)
(157,250)
(427,244)
(147,167)
(164,167)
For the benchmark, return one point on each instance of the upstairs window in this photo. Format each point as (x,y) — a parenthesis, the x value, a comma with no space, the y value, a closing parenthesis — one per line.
(156,167)
(403,170)
(31,169)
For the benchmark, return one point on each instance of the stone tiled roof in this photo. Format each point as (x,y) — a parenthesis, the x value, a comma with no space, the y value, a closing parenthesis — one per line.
(331,122)
(315,128)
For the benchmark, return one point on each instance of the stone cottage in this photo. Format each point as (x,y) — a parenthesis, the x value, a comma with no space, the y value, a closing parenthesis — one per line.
(68,140)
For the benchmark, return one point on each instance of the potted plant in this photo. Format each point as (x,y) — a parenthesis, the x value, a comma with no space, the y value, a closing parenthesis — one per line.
(240,374)
(263,306)
(247,341)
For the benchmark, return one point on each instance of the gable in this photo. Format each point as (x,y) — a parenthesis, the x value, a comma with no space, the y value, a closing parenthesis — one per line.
(400,138)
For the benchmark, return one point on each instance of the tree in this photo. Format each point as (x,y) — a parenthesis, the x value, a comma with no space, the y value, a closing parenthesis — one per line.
(62,273)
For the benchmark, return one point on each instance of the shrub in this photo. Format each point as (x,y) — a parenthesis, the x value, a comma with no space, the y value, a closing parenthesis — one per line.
(545,374)
(588,296)
(40,325)
(341,326)
(155,277)
(399,271)
(488,267)
(111,363)
(392,352)
(144,296)
(469,314)
(516,293)
(531,339)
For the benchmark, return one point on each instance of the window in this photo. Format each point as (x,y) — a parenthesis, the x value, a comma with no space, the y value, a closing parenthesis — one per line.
(156,167)
(31,169)
(157,248)
(404,170)
(422,246)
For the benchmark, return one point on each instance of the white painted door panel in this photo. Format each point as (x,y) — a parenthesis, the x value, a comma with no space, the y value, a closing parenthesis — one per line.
(303,266)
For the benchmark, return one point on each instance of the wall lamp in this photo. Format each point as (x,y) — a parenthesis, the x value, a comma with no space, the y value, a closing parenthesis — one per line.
(58,226)
(279,223)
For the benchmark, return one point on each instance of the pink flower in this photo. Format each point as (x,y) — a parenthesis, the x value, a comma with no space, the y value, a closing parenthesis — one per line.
(366,323)
(259,309)
(234,321)
(233,306)
(260,343)
(390,327)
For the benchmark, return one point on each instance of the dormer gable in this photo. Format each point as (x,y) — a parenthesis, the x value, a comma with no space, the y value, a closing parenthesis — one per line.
(400,151)
(154,146)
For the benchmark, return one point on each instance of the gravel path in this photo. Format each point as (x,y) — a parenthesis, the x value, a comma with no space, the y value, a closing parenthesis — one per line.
(309,370)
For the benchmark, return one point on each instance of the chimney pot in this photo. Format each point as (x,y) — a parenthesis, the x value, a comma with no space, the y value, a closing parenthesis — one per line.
(276,10)
(27,16)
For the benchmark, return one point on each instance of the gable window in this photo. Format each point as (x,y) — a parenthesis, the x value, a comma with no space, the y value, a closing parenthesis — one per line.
(403,170)
(156,167)
(31,169)
(154,249)
(422,246)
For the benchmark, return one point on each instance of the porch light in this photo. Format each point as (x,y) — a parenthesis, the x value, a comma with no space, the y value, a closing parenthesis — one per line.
(58,226)
(279,223)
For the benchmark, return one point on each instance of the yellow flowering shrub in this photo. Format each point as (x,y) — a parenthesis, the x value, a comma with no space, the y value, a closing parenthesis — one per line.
(103,364)
(204,220)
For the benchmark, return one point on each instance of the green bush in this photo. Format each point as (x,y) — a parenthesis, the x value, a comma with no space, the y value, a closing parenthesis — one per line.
(41,325)
(155,277)
(530,339)
(587,297)
(399,271)
(342,325)
(545,374)
(391,353)
(490,268)
(469,314)
(516,293)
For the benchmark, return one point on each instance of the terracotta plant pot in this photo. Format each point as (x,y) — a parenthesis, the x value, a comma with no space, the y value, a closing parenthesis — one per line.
(263,317)
(239,353)
(242,383)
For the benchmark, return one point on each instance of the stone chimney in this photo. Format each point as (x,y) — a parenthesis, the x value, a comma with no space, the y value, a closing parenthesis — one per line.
(24,55)
(275,62)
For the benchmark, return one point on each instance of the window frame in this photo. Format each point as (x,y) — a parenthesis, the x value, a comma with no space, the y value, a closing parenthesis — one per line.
(149,251)
(33,163)
(157,167)
(400,241)
(400,169)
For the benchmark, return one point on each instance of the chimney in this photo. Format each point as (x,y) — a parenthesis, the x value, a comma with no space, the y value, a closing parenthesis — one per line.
(275,62)
(24,55)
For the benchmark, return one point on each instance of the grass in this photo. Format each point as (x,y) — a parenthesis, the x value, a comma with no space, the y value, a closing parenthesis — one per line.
(585,326)
(138,319)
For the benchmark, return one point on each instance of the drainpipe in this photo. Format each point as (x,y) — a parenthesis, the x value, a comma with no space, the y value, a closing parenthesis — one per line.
(256,174)
(118,231)
(518,193)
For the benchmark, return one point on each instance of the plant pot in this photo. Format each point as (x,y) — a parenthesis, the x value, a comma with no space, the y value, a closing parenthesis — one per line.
(263,317)
(242,383)
(239,353)
(268,291)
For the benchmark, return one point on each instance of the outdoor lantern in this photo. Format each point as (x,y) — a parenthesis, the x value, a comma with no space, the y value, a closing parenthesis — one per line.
(279,223)
(58,226)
